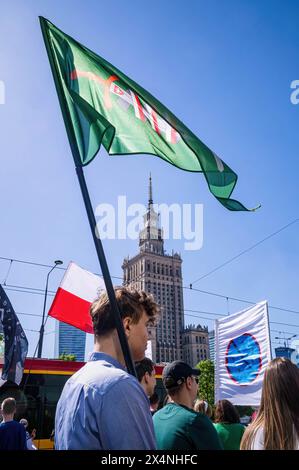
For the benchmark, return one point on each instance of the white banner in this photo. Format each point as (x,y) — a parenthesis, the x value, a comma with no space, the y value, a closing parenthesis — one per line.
(242,350)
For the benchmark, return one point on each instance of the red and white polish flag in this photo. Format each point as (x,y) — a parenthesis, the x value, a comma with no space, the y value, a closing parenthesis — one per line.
(78,289)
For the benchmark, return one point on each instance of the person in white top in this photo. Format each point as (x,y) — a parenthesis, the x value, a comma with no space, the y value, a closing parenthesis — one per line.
(29,437)
(276,426)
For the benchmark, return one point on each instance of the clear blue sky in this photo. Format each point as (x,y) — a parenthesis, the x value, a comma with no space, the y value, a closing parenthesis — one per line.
(224,68)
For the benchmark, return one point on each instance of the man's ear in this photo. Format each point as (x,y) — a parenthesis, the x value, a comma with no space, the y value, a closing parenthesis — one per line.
(127,322)
(146,377)
(188,382)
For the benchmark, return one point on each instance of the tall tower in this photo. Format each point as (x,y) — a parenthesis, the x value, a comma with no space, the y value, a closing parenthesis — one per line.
(156,272)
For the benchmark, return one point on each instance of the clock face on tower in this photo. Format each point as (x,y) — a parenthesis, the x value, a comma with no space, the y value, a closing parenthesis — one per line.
(243,359)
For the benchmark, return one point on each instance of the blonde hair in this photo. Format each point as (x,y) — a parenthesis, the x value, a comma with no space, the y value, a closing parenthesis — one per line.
(202,406)
(278,415)
(8,406)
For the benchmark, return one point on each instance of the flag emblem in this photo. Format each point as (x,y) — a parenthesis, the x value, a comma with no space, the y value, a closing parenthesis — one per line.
(243,359)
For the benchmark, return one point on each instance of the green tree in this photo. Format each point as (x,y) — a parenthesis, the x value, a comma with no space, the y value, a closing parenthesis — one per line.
(67,357)
(206,381)
(245,410)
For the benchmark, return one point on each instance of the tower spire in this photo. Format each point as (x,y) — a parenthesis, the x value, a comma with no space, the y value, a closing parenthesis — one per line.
(151,236)
(150,192)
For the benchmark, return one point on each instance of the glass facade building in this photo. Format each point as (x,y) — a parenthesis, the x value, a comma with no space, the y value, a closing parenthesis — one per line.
(69,340)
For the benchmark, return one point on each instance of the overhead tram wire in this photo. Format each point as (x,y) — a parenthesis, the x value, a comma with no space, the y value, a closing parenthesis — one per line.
(245,251)
(238,299)
(284,324)
(28,314)
(188,315)
(186,310)
(201,311)
(33,263)
(271,322)
(26,291)
(190,287)
(282,331)
(30,288)
(7,274)
(33,290)
(227,298)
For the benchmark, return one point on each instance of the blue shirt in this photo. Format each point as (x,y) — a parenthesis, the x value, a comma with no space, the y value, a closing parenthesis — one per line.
(12,436)
(102,407)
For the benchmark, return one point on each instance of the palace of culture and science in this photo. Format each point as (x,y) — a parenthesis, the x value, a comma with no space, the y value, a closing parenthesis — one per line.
(155,271)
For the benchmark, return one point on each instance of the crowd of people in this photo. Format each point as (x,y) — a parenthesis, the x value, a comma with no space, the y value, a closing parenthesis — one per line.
(103,407)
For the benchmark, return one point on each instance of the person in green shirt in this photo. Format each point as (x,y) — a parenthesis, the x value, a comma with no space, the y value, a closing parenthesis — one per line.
(227,425)
(177,426)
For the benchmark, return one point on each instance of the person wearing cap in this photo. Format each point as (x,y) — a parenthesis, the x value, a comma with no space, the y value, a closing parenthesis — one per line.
(177,425)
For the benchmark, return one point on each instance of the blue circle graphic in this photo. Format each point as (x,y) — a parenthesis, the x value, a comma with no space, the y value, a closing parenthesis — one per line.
(243,359)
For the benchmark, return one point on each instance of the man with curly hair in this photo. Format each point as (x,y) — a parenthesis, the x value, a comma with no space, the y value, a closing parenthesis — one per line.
(102,407)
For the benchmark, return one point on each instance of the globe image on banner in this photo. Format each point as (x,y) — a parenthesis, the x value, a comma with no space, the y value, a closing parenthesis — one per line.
(243,359)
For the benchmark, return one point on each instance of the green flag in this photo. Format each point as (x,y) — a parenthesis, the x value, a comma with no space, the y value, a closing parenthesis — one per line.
(101,105)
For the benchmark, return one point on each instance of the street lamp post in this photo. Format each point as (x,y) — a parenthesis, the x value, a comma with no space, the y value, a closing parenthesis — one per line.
(42,327)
